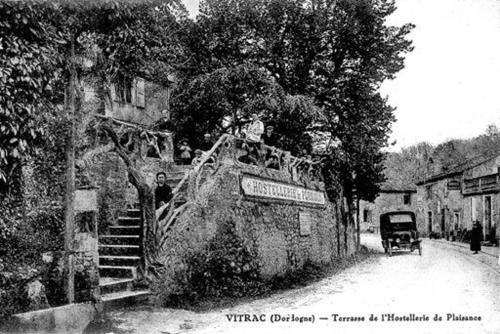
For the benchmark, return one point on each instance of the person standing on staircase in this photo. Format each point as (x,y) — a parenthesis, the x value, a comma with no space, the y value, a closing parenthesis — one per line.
(163,192)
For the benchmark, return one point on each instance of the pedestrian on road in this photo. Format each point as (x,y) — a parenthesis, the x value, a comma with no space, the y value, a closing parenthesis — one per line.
(476,237)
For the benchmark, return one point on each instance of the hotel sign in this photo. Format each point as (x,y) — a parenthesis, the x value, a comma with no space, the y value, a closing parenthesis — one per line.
(253,186)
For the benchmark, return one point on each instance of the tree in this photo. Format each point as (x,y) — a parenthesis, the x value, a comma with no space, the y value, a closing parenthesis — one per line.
(222,101)
(29,78)
(336,52)
(412,164)
(54,45)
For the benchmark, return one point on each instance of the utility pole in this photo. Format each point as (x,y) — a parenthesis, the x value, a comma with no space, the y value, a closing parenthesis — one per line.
(69,216)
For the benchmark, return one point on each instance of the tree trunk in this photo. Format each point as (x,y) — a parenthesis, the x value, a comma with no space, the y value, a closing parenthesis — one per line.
(145,192)
(69,215)
(358,235)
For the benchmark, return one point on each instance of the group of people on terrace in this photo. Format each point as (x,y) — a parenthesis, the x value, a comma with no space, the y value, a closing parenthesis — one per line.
(260,146)
(185,150)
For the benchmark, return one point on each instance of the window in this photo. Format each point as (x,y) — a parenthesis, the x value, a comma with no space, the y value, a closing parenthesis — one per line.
(123,91)
(407,199)
(428,192)
(126,91)
(365,215)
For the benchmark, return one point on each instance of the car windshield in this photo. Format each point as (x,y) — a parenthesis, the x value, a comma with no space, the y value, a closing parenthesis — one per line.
(400,219)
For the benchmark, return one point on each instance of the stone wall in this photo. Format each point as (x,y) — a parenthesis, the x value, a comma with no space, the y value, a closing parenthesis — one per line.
(109,174)
(269,228)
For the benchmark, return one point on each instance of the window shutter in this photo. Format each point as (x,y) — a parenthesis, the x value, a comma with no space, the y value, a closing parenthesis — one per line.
(140,96)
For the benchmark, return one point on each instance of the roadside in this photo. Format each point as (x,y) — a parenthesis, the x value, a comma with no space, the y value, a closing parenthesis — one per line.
(440,283)
(206,312)
(488,255)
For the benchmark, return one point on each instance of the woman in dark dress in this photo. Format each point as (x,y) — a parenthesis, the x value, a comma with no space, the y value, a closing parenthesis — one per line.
(476,237)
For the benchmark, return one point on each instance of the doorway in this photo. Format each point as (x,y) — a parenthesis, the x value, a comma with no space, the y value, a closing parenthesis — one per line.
(443,222)
(429,221)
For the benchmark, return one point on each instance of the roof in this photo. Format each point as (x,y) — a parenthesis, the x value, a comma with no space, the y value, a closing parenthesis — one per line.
(458,169)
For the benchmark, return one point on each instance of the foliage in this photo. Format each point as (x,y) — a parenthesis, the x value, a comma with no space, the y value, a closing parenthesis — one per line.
(13,296)
(335,52)
(409,166)
(222,101)
(28,74)
(123,39)
(423,160)
(41,41)
(226,268)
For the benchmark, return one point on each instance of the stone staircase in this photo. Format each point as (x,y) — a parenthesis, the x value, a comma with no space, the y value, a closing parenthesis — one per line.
(120,250)
(120,256)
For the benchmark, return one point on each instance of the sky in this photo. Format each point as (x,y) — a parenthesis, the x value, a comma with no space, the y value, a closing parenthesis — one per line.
(450,85)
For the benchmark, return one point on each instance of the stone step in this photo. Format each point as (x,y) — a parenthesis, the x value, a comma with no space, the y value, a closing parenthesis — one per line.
(110,284)
(134,213)
(119,239)
(118,271)
(118,250)
(122,299)
(125,229)
(134,221)
(119,260)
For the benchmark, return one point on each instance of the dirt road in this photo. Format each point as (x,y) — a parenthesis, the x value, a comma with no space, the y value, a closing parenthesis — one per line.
(417,290)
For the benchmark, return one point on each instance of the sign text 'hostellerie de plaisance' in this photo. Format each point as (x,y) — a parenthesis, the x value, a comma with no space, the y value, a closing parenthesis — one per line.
(269,189)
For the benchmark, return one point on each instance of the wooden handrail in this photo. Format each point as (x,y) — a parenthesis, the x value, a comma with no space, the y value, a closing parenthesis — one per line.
(209,154)
(194,172)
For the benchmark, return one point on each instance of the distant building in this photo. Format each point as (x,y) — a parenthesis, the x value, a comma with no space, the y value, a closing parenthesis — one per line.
(389,199)
(450,202)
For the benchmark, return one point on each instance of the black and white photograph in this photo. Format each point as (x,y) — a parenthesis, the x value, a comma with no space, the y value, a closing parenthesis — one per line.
(249,166)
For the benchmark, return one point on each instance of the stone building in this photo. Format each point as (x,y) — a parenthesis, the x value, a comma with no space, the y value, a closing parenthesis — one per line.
(140,104)
(450,202)
(389,199)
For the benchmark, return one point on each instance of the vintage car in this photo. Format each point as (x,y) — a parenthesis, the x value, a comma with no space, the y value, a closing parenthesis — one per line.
(398,230)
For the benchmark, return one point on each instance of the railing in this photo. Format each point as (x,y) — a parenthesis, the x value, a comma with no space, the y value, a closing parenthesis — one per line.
(482,184)
(489,180)
(230,150)
(193,177)
(242,151)
(233,150)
